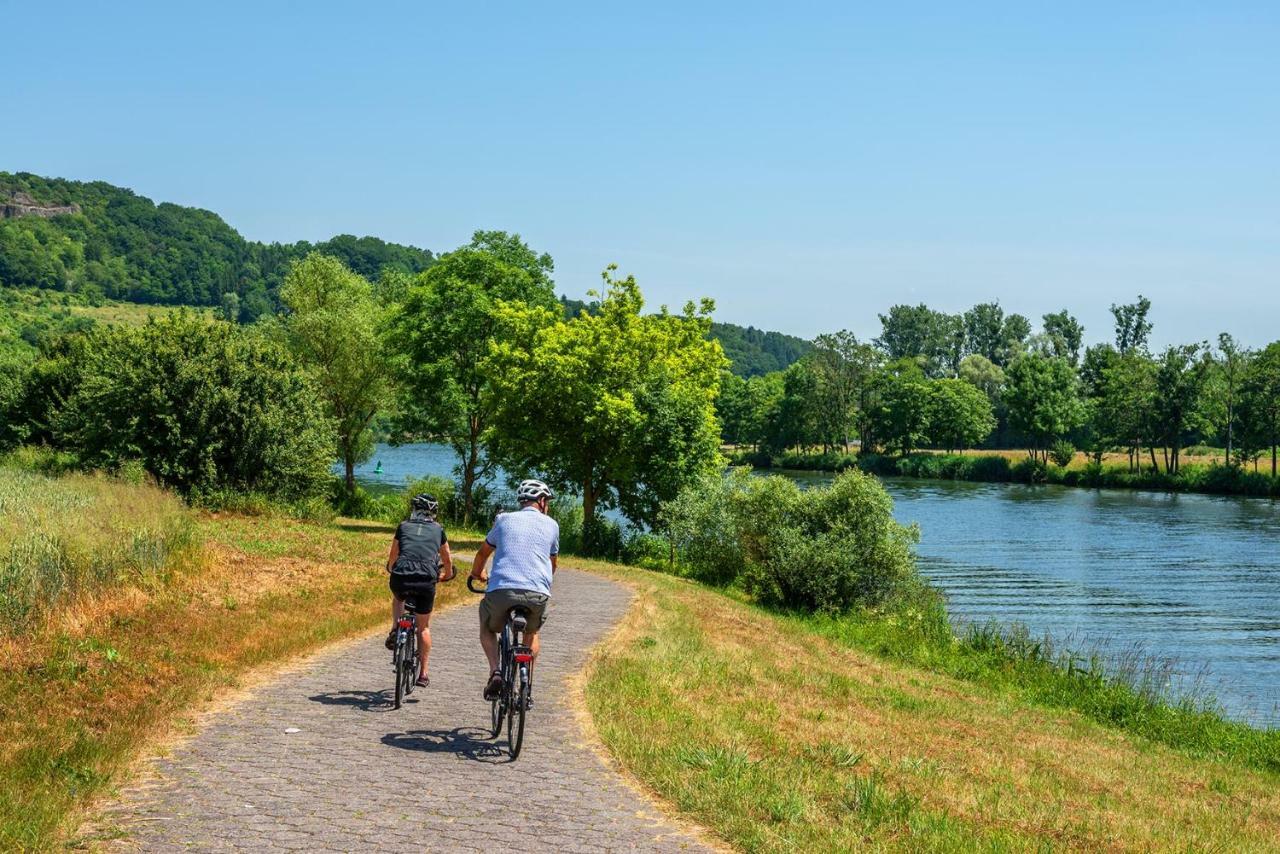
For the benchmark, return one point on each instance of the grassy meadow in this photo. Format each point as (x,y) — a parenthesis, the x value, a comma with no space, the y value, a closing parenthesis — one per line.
(777,737)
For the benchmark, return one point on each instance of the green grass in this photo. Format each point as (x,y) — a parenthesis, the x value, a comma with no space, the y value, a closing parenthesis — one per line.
(776,737)
(62,538)
(1131,696)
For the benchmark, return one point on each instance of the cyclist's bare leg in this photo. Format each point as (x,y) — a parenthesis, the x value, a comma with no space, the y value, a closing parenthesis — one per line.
(397,608)
(489,642)
(531,641)
(423,627)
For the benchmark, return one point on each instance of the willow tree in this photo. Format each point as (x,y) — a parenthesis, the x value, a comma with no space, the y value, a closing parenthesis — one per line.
(617,407)
(332,325)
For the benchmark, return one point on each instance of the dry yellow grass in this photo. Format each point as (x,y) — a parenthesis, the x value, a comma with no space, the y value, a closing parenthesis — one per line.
(779,740)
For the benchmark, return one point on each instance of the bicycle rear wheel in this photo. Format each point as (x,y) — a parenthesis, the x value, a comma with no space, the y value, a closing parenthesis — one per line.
(398,664)
(411,663)
(519,705)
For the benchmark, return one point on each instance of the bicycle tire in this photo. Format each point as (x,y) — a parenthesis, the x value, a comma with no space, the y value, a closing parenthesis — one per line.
(411,663)
(398,664)
(515,723)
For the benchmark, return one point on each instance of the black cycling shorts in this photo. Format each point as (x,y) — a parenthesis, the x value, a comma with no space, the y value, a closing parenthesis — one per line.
(421,593)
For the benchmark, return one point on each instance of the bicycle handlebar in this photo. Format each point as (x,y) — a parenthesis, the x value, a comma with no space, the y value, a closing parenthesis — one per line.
(471,584)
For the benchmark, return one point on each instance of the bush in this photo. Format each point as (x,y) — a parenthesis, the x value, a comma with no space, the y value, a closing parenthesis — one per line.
(205,407)
(706,533)
(1030,471)
(822,549)
(1062,453)
(830,549)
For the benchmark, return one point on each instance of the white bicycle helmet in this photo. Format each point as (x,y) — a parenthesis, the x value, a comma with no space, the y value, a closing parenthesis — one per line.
(533,490)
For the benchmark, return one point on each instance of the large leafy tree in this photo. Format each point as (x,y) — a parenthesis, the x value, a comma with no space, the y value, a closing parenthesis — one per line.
(332,326)
(1124,406)
(843,366)
(1132,326)
(618,407)
(959,414)
(1066,335)
(1043,401)
(899,418)
(1181,375)
(1260,402)
(910,331)
(445,325)
(1223,391)
(796,420)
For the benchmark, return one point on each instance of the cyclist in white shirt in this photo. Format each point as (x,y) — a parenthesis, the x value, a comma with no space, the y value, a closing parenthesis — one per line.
(524,544)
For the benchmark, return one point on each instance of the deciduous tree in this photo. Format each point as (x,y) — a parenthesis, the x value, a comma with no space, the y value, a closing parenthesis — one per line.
(332,326)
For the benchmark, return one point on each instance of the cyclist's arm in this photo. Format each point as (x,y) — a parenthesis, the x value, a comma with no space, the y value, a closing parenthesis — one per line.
(481,558)
(446,562)
(553,564)
(395,553)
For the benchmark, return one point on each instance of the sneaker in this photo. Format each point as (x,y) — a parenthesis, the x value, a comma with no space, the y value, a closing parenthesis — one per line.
(391,640)
(494,689)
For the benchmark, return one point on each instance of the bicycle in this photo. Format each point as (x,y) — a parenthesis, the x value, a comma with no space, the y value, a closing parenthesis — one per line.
(517,683)
(404,661)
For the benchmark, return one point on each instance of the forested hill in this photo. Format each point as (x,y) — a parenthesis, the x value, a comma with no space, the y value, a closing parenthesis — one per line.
(98,239)
(753,352)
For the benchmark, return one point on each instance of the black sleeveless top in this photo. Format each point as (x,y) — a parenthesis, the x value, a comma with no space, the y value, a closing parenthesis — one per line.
(419,557)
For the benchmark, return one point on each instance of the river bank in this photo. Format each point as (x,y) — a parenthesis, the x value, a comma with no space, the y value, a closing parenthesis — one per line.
(1211,479)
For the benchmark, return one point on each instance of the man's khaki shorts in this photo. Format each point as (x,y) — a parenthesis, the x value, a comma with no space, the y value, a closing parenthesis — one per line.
(496,604)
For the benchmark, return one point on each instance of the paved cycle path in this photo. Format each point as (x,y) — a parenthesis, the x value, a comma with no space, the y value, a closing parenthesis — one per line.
(358,775)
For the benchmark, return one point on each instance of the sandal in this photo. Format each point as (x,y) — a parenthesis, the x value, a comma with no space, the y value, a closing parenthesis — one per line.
(494,689)
(423,681)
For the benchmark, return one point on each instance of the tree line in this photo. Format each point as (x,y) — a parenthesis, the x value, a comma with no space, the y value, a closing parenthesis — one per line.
(983,377)
(614,405)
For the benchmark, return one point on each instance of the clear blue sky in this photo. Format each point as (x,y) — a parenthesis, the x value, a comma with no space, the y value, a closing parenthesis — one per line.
(806,165)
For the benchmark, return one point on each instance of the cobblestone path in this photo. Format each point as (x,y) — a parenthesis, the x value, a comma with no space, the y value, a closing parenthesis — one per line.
(358,775)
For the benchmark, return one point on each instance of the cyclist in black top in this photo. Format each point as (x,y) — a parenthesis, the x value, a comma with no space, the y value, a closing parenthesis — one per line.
(419,558)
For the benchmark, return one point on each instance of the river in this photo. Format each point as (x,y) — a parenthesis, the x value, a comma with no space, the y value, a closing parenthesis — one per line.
(1191,579)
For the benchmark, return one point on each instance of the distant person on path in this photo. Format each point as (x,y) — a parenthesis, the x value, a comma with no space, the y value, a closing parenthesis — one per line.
(526,543)
(419,559)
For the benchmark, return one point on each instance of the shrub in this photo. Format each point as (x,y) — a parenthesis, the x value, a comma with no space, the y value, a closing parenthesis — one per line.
(203,406)
(705,533)
(822,549)
(830,549)
(1030,471)
(1062,452)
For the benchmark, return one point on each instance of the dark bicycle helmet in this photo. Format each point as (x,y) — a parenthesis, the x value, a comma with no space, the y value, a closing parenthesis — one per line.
(424,502)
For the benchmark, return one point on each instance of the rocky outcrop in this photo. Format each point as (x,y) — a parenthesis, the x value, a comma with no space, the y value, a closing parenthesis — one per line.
(20,204)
